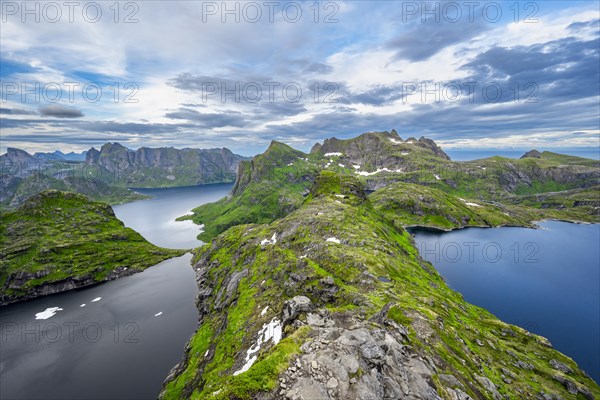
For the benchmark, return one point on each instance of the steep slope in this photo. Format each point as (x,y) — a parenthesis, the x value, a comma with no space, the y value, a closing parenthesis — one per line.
(92,188)
(162,167)
(269,186)
(106,174)
(273,184)
(334,302)
(58,241)
(375,148)
(407,204)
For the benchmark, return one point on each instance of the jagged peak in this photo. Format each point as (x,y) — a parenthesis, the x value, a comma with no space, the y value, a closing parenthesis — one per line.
(109,147)
(281,151)
(532,154)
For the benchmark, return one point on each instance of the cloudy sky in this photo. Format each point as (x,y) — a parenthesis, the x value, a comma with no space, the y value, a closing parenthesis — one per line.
(209,74)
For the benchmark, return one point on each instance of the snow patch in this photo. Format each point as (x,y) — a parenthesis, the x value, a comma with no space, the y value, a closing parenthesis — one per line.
(264,311)
(385,169)
(436,176)
(395,141)
(47,313)
(333,240)
(333,154)
(290,164)
(357,166)
(269,331)
(469,204)
(273,240)
(341,196)
(342,165)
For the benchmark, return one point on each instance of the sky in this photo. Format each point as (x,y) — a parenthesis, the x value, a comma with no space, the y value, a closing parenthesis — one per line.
(205,74)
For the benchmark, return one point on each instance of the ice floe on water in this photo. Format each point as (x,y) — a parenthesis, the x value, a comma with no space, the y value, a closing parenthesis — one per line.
(333,154)
(273,240)
(333,240)
(83,305)
(96,299)
(158,314)
(47,313)
(271,330)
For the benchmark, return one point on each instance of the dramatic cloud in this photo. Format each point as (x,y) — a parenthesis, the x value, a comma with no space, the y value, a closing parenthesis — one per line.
(353,74)
(16,111)
(60,111)
(207,120)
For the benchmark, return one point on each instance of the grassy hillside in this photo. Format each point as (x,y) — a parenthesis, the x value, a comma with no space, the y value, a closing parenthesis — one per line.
(273,184)
(378,320)
(408,204)
(57,241)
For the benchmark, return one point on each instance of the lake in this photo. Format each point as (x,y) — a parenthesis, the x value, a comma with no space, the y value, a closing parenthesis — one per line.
(545,280)
(131,331)
(155,218)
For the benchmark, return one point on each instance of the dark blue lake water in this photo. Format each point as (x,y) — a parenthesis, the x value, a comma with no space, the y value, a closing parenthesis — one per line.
(119,339)
(544,280)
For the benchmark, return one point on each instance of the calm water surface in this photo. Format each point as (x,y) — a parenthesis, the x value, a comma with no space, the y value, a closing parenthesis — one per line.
(545,280)
(122,345)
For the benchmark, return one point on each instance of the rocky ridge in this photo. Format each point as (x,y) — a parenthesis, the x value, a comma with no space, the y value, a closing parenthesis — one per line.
(334,302)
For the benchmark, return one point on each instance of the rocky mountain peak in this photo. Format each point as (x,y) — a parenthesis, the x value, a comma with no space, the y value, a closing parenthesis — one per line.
(532,154)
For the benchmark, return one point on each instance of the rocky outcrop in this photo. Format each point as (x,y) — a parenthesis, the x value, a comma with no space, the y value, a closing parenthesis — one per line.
(345,357)
(165,166)
(532,154)
(334,302)
(380,146)
(57,241)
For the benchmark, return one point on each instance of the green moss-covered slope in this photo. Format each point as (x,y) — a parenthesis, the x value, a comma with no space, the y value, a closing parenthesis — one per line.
(378,321)
(415,180)
(58,241)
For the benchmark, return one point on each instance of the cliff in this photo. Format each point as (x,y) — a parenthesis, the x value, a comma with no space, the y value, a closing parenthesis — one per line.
(58,241)
(163,167)
(334,302)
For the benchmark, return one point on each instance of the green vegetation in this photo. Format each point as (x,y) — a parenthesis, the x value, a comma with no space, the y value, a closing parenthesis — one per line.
(414,183)
(57,241)
(251,267)
(268,187)
(408,204)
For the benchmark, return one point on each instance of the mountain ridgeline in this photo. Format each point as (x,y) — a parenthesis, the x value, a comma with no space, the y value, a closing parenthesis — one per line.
(160,167)
(414,179)
(57,241)
(333,301)
(106,174)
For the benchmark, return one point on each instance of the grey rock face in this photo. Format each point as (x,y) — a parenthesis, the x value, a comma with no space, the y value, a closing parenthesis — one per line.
(292,308)
(346,358)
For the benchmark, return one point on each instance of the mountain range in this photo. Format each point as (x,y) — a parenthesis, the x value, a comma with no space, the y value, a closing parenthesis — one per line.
(108,173)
